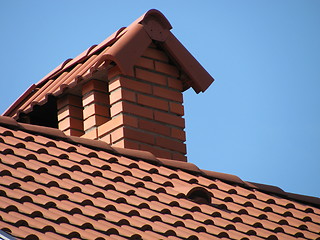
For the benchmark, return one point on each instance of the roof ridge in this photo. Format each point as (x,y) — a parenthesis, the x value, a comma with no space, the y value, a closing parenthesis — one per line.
(149,157)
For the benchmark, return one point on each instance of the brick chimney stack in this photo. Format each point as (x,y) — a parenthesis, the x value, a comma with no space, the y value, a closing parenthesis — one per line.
(146,110)
(126,91)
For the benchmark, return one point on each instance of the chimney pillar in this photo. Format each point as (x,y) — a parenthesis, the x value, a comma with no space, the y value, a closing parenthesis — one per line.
(70,115)
(95,100)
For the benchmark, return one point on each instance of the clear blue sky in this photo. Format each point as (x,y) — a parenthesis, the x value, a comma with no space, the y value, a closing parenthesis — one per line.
(260,119)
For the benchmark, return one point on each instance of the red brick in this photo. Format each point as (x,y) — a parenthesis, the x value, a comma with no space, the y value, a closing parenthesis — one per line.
(158,152)
(178,134)
(95,97)
(152,102)
(136,134)
(179,156)
(156,54)
(91,134)
(145,63)
(106,138)
(155,127)
(94,121)
(175,83)
(122,94)
(73,132)
(70,111)
(117,134)
(70,123)
(130,84)
(169,118)
(151,76)
(116,122)
(96,109)
(115,83)
(69,99)
(176,108)
(113,72)
(126,143)
(116,109)
(133,134)
(168,94)
(94,85)
(171,144)
(126,107)
(167,69)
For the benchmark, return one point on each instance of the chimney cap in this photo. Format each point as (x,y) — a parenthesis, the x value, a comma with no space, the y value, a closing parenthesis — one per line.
(151,26)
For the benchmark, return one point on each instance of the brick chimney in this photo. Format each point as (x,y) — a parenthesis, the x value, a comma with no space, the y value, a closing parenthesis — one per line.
(126,91)
(146,110)
(132,97)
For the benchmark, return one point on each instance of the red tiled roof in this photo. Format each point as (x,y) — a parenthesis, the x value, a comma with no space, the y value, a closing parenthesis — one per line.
(134,40)
(53,186)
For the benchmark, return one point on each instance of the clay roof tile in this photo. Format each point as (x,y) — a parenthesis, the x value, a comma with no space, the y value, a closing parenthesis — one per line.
(52,186)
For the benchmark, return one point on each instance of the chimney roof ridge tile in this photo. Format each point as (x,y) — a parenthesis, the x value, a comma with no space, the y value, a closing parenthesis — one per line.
(136,38)
(88,52)
(61,68)
(157,14)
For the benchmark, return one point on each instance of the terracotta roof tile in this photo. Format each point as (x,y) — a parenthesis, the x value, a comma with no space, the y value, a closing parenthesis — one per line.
(53,187)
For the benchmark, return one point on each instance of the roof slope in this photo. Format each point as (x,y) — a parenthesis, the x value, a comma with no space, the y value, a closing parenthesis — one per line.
(123,49)
(58,187)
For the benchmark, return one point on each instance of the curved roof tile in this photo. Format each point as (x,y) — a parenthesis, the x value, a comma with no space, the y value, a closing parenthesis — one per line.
(54,186)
